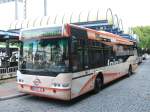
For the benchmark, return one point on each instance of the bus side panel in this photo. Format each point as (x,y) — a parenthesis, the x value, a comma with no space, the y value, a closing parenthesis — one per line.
(132,60)
(81,84)
(115,71)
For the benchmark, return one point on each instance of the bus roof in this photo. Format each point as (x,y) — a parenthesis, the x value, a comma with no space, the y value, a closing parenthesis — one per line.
(92,34)
(114,39)
(41,27)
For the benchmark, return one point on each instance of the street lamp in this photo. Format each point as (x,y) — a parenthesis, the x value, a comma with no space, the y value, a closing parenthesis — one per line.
(120,23)
(35,21)
(97,15)
(71,17)
(16,24)
(109,10)
(11,25)
(117,19)
(79,16)
(41,21)
(22,23)
(88,15)
(48,20)
(63,18)
(28,23)
(55,19)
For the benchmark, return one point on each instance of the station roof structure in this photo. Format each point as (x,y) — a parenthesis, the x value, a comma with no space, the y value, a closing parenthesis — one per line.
(5,35)
(6,1)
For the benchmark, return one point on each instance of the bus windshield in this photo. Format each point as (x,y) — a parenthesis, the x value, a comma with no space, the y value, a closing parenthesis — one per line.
(44,57)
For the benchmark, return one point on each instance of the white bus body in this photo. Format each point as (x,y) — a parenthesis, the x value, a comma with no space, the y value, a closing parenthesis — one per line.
(65,85)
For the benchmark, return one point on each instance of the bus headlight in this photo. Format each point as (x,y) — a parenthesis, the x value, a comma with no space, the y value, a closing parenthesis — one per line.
(64,85)
(55,84)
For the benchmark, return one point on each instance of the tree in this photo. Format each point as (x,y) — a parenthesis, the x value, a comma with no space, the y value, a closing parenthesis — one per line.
(144,35)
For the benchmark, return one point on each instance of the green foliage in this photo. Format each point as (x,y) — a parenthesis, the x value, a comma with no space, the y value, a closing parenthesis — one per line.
(144,35)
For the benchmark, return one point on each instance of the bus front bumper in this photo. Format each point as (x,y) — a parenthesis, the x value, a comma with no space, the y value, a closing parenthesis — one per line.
(54,93)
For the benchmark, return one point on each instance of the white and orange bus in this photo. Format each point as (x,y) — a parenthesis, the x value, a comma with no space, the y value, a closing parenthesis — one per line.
(64,62)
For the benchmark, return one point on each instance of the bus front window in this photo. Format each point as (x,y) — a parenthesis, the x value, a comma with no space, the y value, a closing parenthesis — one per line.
(45,56)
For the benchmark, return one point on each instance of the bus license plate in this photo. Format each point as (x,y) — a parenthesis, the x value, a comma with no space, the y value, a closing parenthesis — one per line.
(37,89)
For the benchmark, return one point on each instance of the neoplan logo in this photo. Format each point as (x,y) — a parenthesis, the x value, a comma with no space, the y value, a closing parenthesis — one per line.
(36,82)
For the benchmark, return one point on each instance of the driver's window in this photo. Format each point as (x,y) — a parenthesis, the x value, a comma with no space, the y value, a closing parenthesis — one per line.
(77,54)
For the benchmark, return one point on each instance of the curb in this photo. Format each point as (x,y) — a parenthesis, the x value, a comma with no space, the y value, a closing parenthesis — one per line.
(12,96)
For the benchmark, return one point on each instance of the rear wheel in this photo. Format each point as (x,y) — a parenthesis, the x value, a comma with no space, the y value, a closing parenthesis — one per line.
(97,85)
(130,71)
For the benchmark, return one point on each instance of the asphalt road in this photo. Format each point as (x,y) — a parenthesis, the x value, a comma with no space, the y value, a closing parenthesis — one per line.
(125,95)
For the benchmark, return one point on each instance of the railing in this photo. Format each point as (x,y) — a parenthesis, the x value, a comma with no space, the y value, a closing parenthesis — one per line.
(8,72)
(3,70)
(12,69)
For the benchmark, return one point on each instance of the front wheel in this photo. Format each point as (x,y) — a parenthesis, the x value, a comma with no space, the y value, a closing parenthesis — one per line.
(97,85)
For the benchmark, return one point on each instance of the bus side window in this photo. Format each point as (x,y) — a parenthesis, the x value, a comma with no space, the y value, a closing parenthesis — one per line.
(74,45)
(96,55)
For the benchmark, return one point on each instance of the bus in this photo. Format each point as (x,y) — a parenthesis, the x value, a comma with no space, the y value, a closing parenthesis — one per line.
(66,61)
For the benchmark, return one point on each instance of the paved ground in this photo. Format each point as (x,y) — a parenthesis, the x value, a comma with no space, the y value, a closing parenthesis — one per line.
(126,95)
(8,89)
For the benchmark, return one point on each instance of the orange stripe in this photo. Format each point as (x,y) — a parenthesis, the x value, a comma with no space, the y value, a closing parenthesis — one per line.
(108,77)
(87,83)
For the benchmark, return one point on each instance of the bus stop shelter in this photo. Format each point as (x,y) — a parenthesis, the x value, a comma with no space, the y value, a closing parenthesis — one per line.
(9,42)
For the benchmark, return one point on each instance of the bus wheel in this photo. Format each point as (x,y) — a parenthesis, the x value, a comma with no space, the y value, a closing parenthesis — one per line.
(98,84)
(130,71)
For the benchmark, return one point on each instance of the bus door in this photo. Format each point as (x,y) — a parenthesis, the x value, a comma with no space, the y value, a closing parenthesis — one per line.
(80,68)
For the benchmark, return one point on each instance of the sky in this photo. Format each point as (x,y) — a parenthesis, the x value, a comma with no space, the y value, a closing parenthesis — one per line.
(132,12)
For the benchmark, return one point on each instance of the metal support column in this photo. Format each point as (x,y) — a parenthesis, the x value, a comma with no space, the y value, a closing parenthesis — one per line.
(16,9)
(25,9)
(45,7)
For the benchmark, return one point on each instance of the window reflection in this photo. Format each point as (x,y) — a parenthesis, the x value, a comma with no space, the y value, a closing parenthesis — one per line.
(45,55)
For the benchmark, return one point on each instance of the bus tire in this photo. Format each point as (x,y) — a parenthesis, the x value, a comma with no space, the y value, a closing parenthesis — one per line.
(97,84)
(130,72)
